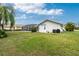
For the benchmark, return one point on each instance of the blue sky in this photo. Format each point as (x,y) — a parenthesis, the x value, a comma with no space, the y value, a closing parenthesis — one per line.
(34,13)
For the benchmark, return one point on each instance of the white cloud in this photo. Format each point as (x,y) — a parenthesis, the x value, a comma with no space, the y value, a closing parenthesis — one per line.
(21,17)
(38,9)
(29,6)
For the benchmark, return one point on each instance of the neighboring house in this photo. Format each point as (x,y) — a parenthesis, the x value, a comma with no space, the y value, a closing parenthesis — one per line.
(7,27)
(16,27)
(29,27)
(76,26)
(49,26)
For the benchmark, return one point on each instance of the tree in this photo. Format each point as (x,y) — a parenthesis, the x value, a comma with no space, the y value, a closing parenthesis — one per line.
(6,16)
(69,26)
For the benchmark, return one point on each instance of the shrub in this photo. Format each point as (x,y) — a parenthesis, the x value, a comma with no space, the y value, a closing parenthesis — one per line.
(69,27)
(2,34)
(34,29)
(54,31)
(58,30)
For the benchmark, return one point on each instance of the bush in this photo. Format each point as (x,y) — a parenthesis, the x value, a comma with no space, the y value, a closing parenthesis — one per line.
(2,34)
(54,31)
(34,29)
(69,27)
(58,30)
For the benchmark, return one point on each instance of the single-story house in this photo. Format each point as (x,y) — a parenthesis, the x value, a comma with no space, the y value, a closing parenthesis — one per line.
(50,26)
(45,26)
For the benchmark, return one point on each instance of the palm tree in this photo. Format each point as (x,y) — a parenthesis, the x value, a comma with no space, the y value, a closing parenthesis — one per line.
(6,16)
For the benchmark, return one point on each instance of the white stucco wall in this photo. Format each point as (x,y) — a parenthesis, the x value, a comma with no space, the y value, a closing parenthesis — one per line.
(49,27)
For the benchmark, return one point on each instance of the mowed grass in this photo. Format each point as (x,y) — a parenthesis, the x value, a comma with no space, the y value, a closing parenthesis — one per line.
(40,44)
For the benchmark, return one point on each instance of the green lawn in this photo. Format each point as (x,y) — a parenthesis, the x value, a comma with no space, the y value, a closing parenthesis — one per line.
(26,43)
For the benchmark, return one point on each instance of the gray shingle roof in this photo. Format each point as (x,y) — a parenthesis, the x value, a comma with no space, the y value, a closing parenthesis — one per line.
(50,21)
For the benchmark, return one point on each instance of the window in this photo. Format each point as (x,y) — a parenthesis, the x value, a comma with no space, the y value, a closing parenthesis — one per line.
(44,26)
